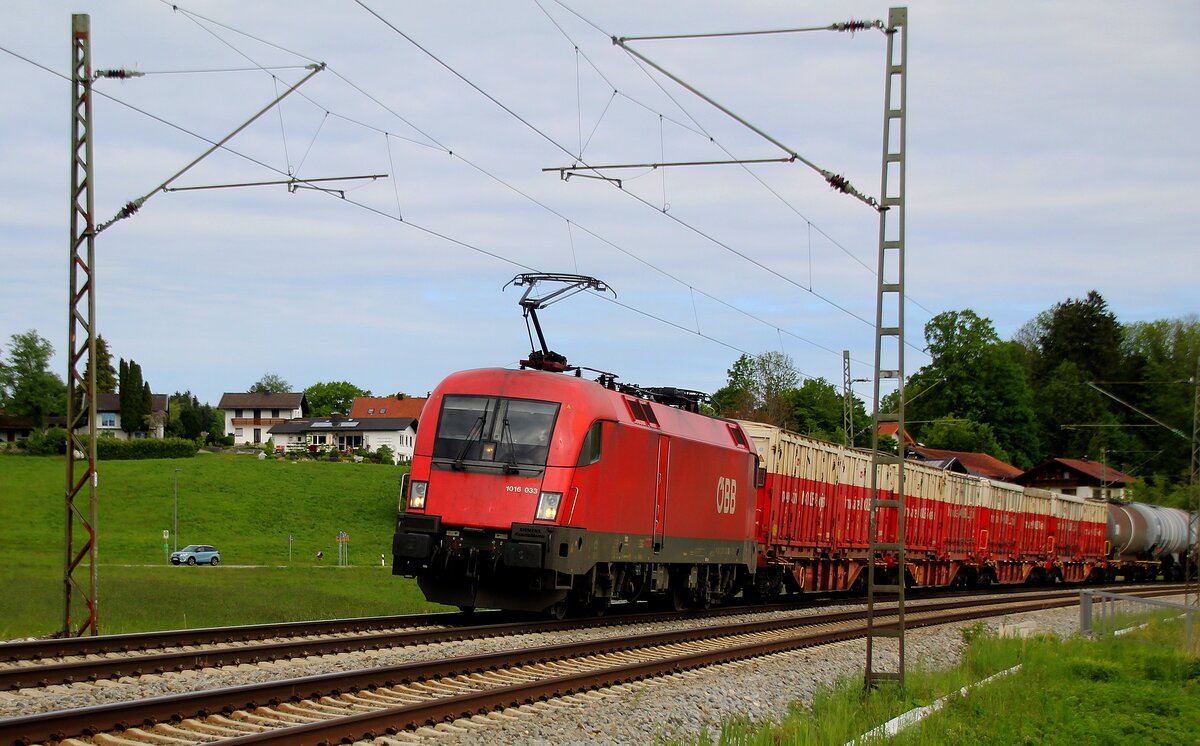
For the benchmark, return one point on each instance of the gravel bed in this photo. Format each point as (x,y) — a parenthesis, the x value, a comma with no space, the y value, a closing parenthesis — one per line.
(762,689)
(679,705)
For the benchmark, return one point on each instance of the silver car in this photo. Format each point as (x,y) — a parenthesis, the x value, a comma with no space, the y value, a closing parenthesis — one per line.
(192,554)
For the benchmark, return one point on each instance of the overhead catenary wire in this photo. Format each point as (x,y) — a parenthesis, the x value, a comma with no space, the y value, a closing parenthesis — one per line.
(700,130)
(525,195)
(492,254)
(425,51)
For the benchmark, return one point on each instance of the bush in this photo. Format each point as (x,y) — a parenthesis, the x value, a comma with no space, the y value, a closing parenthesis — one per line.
(386,455)
(47,443)
(111,449)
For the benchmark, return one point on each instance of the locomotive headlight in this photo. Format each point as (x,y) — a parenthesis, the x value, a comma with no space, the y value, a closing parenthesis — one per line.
(416,495)
(547,507)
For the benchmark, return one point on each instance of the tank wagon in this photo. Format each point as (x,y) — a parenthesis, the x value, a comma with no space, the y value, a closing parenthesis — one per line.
(533,490)
(1146,540)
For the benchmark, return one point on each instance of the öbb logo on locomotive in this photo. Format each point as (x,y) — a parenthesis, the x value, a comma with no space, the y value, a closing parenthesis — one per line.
(538,489)
(726,495)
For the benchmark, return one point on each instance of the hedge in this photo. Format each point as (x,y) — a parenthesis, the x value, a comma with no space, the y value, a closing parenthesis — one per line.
(112,449)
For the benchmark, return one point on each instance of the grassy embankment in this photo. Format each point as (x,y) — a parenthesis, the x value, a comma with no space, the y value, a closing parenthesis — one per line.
(1140,688)
(243,506)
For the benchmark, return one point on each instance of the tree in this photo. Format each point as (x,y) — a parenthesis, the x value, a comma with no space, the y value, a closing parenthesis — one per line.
(134,398)
(736,398)
(271,383)
(963,435)
(1083,332)
(333,396)
(28,387)
(759,388)
(818,409)
(106,377)
(974,376)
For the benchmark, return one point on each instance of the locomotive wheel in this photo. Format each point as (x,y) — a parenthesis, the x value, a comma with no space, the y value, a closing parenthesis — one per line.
(558,611)
(678,598)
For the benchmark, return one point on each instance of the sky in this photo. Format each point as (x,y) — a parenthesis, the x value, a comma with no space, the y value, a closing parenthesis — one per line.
(1050,148)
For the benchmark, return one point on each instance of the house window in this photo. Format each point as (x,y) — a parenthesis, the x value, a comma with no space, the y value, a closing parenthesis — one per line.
(238,432)
(108,419)
(346,442)
(370,410)
(320,439)
(274,412)
(383,410)
(239,413)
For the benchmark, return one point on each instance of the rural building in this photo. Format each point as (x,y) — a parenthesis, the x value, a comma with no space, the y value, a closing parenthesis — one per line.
(965,462)
(1080,477)
(108,417)
(387,406)
(347,434)
(249,416)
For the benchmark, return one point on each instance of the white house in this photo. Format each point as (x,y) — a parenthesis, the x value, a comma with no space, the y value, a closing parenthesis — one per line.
(108,417)
(249,417)
(347,433)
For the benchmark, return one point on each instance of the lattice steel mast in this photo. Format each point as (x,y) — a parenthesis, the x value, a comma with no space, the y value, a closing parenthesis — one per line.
(889,364)
(81,340)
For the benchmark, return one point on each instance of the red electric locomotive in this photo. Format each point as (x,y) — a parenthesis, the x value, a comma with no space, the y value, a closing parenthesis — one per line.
(533,490)
(538,490)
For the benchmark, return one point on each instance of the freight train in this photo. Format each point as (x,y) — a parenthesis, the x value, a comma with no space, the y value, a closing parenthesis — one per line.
(542,491)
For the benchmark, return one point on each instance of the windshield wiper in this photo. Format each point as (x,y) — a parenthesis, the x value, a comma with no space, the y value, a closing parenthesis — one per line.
(510,465)
(471,438)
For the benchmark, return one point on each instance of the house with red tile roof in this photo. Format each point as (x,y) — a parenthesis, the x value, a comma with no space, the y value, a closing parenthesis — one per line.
(891,428)
(1078,476)
(387,406)
(966,462)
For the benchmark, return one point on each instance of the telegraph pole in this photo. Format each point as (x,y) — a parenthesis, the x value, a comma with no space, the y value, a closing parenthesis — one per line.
(81,339)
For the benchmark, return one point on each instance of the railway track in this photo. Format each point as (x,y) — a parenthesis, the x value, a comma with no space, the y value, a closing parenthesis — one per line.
(348,706)
(43,663)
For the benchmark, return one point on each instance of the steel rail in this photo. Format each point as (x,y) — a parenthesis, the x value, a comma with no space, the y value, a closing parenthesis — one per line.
(346,639)
(173,708)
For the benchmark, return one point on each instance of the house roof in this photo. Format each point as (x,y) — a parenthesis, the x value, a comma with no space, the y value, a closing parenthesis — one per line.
(112,402)
(891,428)
(978,464)
(387,406)
(343,424)
(1076,471)
(13,422)
(248,400)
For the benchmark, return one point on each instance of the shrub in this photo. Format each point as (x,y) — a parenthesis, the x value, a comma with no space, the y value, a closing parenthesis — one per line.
(386,455)
(47,443)
(111,449)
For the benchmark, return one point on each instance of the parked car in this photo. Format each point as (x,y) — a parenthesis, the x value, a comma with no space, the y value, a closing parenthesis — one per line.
(204,554)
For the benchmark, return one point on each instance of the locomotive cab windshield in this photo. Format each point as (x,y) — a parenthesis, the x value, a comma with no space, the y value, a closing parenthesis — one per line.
(494,431)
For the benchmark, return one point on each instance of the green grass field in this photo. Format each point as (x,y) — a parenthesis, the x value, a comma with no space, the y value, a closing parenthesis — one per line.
(245,507)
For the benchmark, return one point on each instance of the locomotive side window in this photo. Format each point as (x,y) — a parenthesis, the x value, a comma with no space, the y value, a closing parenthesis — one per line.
(507,431)
(590,452)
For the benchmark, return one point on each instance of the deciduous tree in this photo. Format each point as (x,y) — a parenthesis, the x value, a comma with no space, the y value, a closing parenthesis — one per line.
(328,397)
(271,383)
(28,387)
